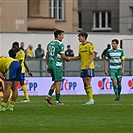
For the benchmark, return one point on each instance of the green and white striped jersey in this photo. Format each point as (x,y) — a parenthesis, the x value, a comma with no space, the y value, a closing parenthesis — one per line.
(54,48)
(115,57)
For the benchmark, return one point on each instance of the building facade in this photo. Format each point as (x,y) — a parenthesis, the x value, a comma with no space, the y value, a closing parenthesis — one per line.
(36,15)
(106,15)
(69,15)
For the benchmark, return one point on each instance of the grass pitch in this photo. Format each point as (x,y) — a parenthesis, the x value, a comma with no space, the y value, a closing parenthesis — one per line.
(106,116)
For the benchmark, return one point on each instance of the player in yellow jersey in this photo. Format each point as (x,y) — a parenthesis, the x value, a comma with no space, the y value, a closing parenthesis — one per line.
(10,72)
(87,54)
(20,56)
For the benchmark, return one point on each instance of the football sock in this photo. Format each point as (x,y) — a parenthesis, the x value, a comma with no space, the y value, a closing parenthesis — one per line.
(10,94)
(119,90)
(116,91)
(11,104)
(50,92)
(88,90)
(3,104)
(58,97)
(25,92)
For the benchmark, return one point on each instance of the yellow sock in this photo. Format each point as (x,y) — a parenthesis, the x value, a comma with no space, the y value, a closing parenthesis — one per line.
(25,92)
(11,104)
(88,90)
(3,104)
(10,94)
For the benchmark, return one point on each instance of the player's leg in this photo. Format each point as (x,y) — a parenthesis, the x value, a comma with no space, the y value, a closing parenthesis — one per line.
(10,95)
(119,88)
(14,95)
(57,102)
(51,90)
(5,96)
(86,77)
(115,87)
(14,76)
(119,79)
(58,78)
(27,99)
(113,76)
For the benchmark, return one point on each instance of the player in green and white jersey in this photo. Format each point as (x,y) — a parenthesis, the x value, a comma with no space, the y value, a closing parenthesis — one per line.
(116,62)
(54,56)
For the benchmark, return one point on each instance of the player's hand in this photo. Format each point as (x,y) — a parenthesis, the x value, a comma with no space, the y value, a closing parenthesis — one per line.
(30,73)
(68,59)
(122,72)
(1,76)
(106,72)
(87,66)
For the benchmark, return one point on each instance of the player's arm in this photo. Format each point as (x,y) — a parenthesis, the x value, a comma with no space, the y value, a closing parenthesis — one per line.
(29,72)
(1,76)
(123,64)
(91,59)
(46,58)
(75,57)
(64,57)
(105,66)
(47,62)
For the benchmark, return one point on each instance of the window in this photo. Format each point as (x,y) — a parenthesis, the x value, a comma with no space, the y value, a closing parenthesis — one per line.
(101,21)
(57,9)
(80,21)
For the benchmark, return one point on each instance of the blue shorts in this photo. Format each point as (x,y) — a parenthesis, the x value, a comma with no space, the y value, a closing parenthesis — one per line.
(87,73)
(14,72)
(22,76)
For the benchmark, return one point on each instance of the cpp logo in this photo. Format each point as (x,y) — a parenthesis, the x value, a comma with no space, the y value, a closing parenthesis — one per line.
(66,85)
(130,84)
(105,84)
(30,85)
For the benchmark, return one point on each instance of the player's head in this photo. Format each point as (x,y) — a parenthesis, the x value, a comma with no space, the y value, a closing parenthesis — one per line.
(82,36)
(108,46)
(1,85)
(59,35)
(15,45)
(115,43)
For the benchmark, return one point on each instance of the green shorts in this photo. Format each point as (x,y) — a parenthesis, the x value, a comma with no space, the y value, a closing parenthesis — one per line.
(56,74)
(115,74)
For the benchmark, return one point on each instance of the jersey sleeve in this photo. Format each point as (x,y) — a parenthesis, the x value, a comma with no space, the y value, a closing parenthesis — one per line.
(20,55)
(92,48)
(62,48)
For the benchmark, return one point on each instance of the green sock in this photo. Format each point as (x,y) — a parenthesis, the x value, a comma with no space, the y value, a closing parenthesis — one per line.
(119,90)
(58,97)
(50,92)
(116,91)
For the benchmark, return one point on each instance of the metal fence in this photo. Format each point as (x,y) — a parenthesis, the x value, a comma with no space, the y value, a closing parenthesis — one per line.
(72,68)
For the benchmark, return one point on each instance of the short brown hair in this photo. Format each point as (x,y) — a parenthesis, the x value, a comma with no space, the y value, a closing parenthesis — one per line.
(115,40)
(84,34)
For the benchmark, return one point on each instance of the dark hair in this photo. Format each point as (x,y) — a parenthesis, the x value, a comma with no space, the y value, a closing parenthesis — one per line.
(68,46)
(115,40)
(84,34)
(58,32)
(108,46)
(15,44)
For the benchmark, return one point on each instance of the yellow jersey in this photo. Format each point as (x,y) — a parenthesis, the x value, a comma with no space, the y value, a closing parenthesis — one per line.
(30,52)
(85,52)
(5,63)
(20,56)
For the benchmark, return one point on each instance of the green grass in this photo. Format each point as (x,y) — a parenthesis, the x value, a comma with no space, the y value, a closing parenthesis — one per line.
(106,116)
